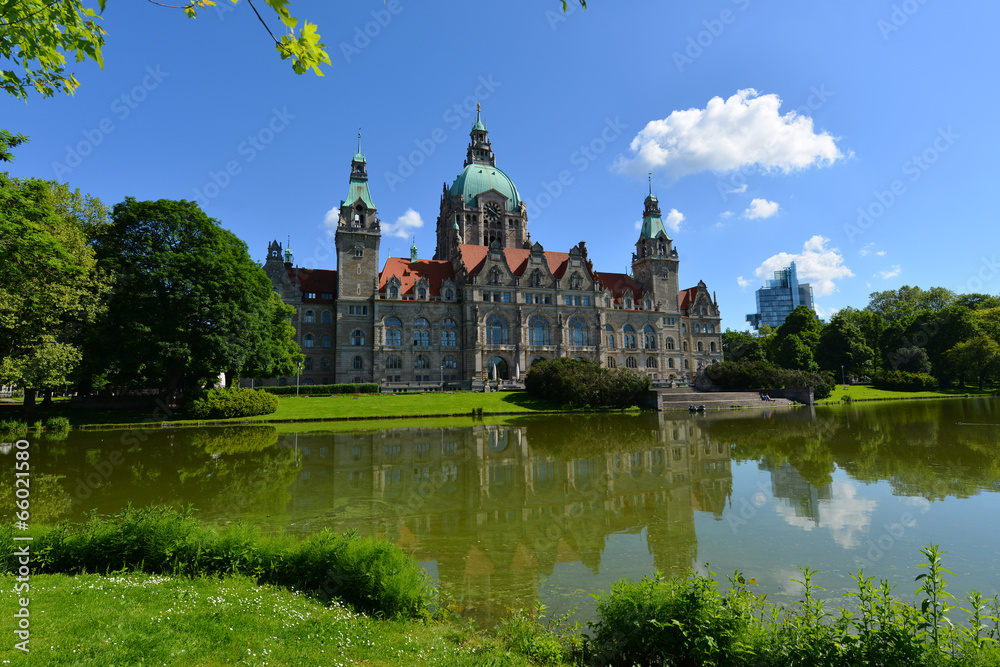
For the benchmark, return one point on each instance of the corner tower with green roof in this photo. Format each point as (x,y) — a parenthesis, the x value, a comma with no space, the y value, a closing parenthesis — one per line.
(655,261)
(482,202)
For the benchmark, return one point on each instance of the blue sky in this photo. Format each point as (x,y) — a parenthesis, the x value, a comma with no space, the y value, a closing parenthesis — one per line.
(854,137)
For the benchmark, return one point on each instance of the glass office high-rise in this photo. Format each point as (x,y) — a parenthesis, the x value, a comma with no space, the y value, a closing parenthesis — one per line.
(779,297)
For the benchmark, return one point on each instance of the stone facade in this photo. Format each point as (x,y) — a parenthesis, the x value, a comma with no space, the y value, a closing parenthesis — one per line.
(490,303)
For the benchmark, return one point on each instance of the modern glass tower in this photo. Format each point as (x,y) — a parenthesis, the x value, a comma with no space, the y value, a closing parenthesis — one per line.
(779,297)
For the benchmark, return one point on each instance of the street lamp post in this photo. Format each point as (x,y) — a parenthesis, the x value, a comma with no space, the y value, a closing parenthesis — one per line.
(843,378)
(442,377)
(298,372)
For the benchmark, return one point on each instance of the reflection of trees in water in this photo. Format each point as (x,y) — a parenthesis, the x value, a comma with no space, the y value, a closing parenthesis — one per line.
(919,447)
(235,439)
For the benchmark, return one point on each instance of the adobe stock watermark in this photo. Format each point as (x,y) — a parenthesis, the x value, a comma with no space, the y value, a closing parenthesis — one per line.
(876,548)
(556,18)
(363,35)
(704,39)
(899,16)
(989,267)
(453,116)
(736,183)
(913,169)
(581,158)
(121,108)
(248,150)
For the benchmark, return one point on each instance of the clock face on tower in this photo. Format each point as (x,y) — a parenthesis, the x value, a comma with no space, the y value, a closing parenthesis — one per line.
(492,213)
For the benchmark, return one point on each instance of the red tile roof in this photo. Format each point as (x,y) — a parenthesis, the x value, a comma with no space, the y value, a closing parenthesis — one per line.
(474,256)
(686,296)
(318,281)
(619,283)
(436,272)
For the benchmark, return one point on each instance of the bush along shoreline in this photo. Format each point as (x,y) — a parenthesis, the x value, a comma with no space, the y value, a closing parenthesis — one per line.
(684,621)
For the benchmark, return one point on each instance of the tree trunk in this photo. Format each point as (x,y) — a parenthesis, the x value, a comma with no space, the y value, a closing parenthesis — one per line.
(29,403)
(47,398)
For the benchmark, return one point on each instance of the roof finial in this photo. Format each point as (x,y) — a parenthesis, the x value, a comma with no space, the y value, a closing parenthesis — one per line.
(477,110)
(359,141)
(650,183)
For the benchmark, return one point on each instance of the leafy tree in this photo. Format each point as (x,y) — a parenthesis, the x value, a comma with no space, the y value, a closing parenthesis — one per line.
(872,327)
(908,301)
(36,36)
(794,353)
(275,352)
(189,301)
(912,360)
(979,356)
(49,284)
(842,346)
(742,345)
(977,301)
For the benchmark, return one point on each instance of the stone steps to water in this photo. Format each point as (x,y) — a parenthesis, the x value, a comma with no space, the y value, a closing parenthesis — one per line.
(683,399)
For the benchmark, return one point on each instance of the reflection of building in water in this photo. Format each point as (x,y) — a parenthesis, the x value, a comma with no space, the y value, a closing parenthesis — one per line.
(498,506)
(803,498)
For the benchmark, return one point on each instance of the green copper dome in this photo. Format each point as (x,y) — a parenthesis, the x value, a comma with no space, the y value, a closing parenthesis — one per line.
(479,178)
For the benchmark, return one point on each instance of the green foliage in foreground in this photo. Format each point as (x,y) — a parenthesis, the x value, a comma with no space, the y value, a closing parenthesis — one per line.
(578,383)
(326,389)
(688,621)
(752,375)
(219,403)
(373,576)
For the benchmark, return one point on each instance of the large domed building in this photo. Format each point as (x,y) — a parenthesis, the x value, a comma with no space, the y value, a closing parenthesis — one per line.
(490,303)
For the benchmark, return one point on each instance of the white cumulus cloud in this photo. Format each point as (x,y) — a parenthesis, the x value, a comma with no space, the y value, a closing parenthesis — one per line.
(743,282)
(405,225)
(761,208)
(673,220)
(746,131)
(816,264)
(890,273)
(737,191)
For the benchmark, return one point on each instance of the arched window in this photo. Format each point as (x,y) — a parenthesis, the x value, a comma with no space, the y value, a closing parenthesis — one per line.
(393,361)
(324,364)
(700,347)
(357,337)
(497,330)
(421,362)
(536,278)
(421,333)
(712,346)
(393,322)
(649,304)
(393,337)
(421,322)
(628,303)
(670,343)
(686,365)
(325,340)
(684,327)
(651,362)
(684,345)
(670,363)
(449,337)
(393,292)
(449,294)
(327,317)
(538,330)
(450,362)
(648,337)
(628,336)
(609,333)
(494,276)
(421,294)
(308,341)
(631,362)
(711,328)
(308,365)
(310,316)
(579,332)
(358,363)
(612,363)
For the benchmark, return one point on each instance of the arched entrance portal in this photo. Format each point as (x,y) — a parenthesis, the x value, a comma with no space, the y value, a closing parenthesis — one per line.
(501,373)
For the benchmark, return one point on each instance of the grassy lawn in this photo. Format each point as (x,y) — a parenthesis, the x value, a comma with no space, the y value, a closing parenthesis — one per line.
(139,619)
(866,393)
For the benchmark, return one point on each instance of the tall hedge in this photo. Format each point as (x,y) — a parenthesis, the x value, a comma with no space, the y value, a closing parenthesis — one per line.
(904,381)
(578,383)
(229,403)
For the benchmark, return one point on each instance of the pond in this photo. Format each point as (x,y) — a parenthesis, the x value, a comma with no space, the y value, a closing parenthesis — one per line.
(552,508)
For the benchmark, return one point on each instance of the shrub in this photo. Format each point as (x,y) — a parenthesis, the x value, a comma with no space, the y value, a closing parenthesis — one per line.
(579,383)
(326,389)
(13,427)
(57,424)
(228,403)
(373,576)
(904,381)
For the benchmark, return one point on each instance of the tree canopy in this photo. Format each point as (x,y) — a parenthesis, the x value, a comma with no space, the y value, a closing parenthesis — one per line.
(189,302)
